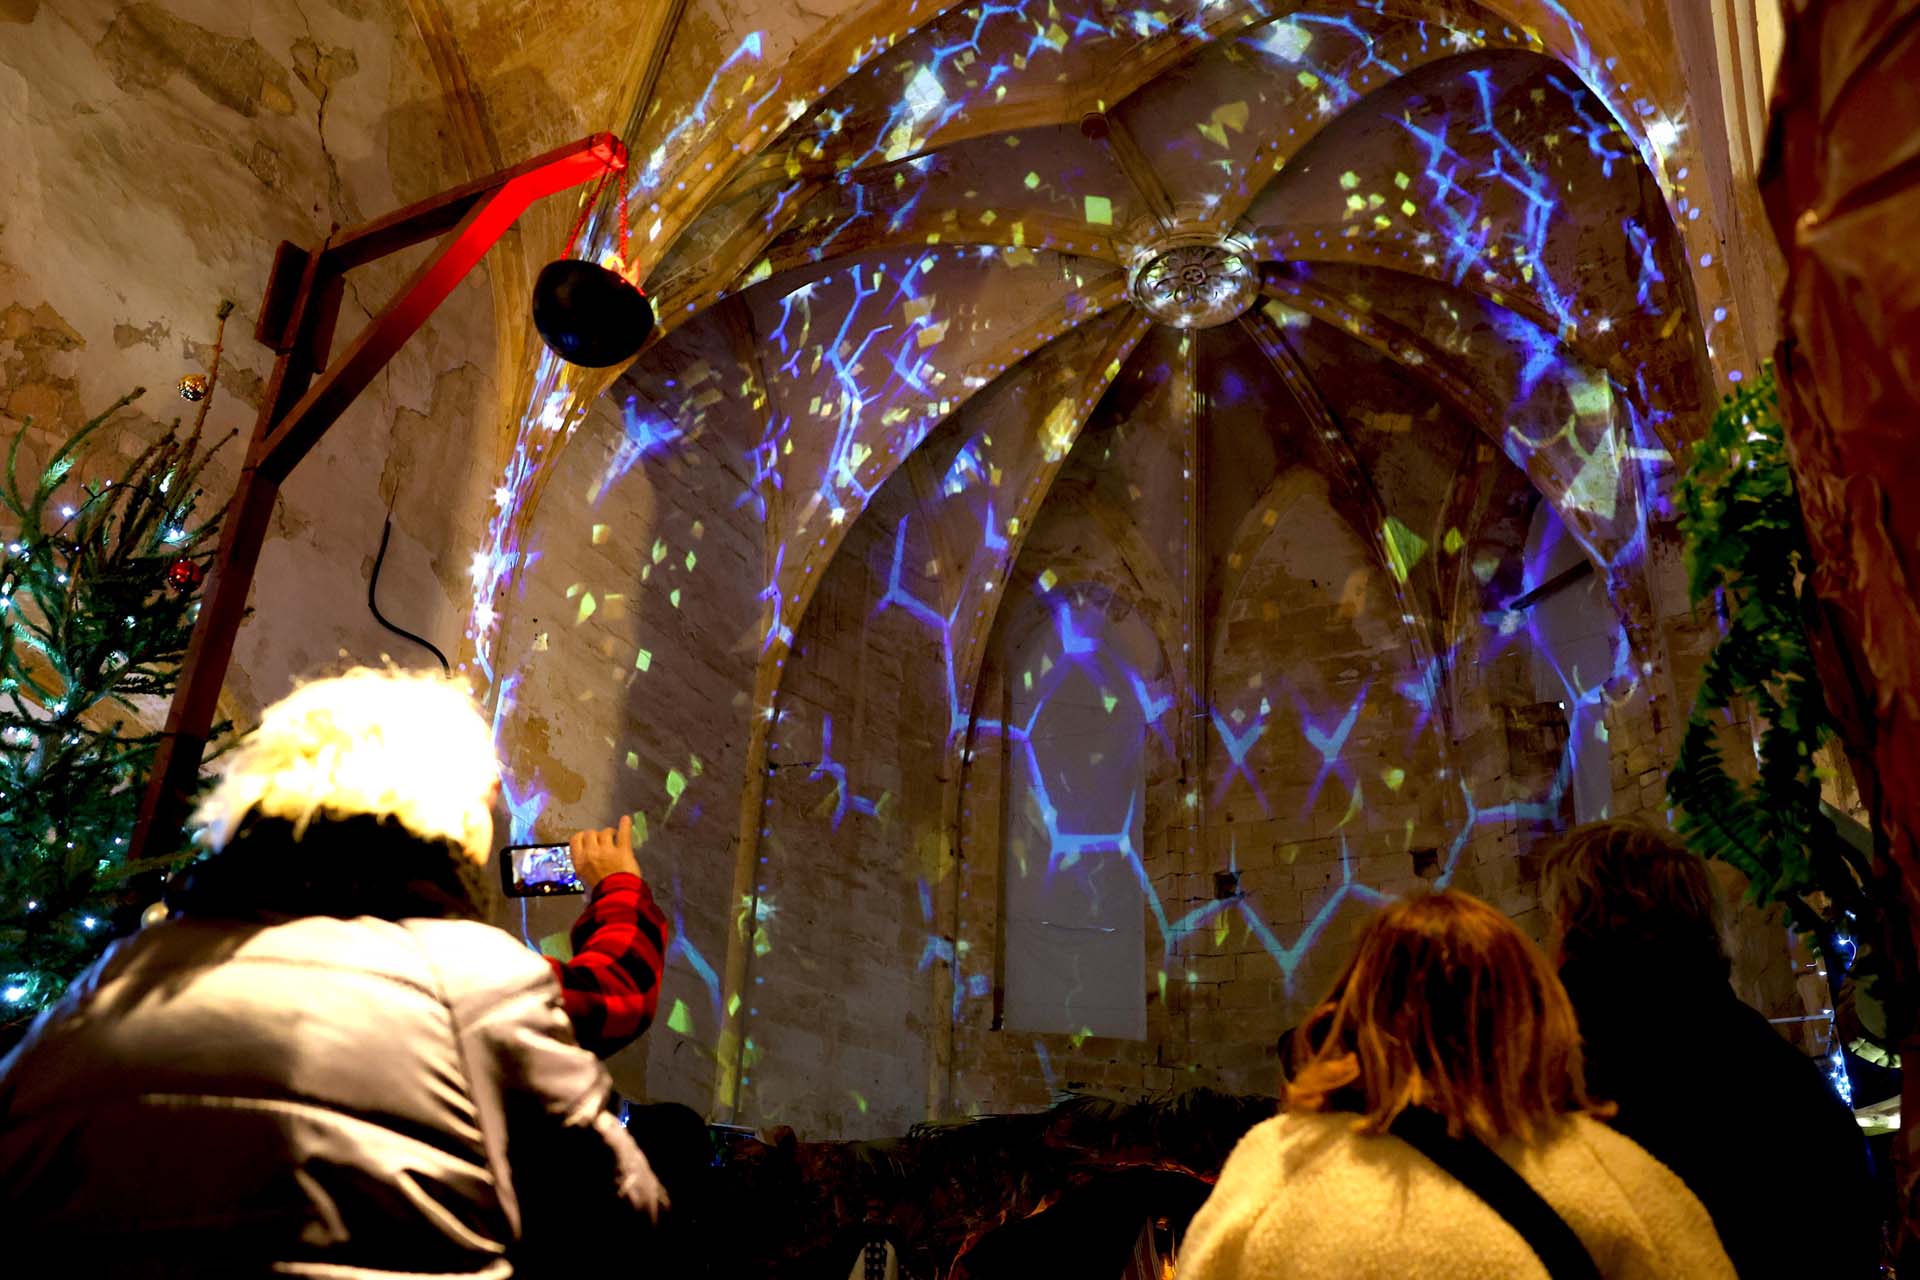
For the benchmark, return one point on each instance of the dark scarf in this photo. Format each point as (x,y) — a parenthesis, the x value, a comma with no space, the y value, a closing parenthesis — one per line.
(357,866)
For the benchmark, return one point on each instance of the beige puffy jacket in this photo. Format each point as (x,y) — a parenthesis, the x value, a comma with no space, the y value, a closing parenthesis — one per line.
(321,1096)
(1304,1196)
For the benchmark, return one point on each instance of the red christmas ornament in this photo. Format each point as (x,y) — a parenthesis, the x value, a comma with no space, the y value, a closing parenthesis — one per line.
(184,574)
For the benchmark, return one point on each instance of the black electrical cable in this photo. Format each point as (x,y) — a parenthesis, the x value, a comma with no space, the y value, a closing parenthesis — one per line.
(373,585)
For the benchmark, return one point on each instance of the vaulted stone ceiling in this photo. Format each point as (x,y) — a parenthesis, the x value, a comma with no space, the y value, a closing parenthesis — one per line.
(1423,249)
(1449,186)
(1256,329)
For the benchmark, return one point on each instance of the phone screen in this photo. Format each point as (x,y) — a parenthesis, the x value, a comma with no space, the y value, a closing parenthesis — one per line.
(538,871)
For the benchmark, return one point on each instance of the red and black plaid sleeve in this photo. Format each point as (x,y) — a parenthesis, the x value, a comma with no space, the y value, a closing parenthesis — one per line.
(611,987)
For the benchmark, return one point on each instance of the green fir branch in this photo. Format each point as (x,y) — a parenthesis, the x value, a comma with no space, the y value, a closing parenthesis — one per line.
(89,621)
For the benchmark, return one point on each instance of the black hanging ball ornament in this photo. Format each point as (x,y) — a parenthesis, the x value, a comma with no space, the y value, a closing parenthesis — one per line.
(589,315)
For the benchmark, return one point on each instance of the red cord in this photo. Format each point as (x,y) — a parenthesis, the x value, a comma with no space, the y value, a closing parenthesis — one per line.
(573,238)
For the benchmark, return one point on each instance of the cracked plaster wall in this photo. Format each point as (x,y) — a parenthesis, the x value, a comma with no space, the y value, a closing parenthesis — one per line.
(155,155)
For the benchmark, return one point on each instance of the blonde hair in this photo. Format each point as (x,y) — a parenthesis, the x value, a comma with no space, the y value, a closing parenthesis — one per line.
(409,746)
(1445,1004)
(1620,888)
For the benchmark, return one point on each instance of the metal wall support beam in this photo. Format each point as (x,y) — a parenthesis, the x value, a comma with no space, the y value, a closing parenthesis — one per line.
(297,321)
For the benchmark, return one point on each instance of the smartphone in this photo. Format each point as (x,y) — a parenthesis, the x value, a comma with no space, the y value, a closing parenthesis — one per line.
(539,871)
(729,1142)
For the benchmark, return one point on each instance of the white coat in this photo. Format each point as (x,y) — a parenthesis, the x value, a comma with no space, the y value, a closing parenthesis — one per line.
(1304,1196)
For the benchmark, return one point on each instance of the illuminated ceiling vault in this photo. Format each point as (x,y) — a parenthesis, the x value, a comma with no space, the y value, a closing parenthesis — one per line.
(932,277)
(1427,223)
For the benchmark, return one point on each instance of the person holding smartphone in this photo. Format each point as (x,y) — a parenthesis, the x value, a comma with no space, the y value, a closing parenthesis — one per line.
(324,1060)
(611,987)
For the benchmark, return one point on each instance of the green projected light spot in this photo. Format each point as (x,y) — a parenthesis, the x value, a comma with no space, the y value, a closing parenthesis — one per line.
(1404,547)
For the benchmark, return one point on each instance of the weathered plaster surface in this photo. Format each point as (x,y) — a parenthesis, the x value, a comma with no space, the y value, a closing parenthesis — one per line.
(156,155)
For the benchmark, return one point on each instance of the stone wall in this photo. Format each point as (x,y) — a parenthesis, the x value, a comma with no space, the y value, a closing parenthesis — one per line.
(1319,792)
(626,674)
(1270,865)
(1275,874)
(156,154)
(836,1030)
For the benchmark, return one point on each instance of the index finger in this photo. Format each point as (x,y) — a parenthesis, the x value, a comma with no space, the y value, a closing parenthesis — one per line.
(625,836)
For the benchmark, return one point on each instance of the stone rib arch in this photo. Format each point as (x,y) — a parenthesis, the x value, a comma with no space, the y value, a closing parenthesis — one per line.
(961,657)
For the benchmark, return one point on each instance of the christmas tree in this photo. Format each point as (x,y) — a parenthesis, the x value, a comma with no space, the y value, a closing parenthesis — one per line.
(99,586)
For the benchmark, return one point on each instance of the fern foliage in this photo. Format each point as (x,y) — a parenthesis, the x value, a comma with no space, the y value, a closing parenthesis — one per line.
(1747,553)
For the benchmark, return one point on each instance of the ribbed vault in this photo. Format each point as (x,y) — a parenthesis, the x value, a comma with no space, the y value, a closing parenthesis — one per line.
(903,362)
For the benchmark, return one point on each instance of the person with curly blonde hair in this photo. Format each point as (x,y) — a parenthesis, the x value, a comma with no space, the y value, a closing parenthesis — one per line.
(1436,1124)
(324,1061)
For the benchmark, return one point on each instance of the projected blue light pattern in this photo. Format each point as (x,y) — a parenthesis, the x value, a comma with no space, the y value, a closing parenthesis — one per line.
(873,384)
(1579,432)
(898,281)
(777,629)
(968,60)
(1237,745)
(554,405)
(1454,208)
(1423,690)
(523,810)
(898,597)
(648,432)
(681,947)
(1070,844)
(962,62)
(1329,742)
(698,118)
(844,799)
(905,359)
(763,464)
(495,565)
(1327,735)
(1288,957)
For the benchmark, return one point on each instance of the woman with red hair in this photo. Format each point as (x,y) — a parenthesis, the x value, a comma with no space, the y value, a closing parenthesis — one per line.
(1437,1124)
